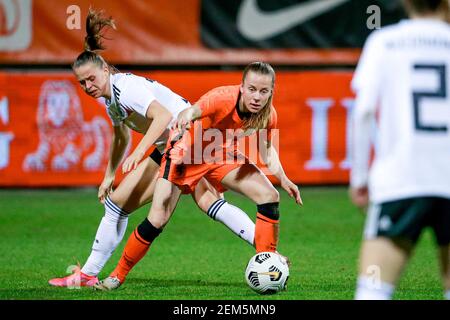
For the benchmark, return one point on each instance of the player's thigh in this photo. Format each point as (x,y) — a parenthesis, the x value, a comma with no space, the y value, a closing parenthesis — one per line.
(251,182)
(137,187)
(205,194)
(165,197)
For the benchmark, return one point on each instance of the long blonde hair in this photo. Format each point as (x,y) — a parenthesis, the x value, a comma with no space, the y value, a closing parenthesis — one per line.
(93,42)
(259,120)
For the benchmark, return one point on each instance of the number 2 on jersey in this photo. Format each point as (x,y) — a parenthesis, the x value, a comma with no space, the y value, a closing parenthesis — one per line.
(420,96)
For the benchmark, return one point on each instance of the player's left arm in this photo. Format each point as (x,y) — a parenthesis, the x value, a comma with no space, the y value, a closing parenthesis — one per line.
(272,160)
(270,156)
(161,118)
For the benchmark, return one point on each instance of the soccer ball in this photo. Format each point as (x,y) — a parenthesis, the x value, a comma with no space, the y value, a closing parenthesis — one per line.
(267,273)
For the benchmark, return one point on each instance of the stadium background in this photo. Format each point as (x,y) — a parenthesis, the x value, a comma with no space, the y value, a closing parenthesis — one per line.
(53,135)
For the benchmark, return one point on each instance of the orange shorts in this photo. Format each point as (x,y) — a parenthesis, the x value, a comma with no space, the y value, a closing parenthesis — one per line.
(186,176)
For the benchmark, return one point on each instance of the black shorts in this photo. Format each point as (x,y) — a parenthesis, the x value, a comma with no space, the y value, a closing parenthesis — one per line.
(156,156)
(406,218)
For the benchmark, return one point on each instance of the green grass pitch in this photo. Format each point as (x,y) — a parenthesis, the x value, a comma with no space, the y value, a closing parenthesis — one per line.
(45,231)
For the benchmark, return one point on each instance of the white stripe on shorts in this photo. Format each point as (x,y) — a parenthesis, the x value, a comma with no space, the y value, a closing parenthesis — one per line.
(372,221)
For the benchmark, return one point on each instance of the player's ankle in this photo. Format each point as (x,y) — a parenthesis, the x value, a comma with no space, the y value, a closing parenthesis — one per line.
(83,274)
(119,276)
(368,289)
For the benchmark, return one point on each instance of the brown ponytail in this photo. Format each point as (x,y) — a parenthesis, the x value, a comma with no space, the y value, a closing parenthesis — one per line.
(95,22)
(95,25)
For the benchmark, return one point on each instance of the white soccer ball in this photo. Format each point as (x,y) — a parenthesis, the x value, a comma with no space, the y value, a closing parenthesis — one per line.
(267,273)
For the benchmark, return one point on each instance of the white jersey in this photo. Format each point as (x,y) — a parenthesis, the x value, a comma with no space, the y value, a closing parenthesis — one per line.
(403,81)
(131,96)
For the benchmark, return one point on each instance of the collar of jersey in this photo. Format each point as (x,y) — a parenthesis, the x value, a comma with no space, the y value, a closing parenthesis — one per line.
(240,114)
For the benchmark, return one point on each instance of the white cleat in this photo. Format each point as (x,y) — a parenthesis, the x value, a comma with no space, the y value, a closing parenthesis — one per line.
(285,258)
(108,284)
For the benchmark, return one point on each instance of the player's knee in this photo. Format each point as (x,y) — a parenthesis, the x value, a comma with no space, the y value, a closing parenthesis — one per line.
(205,201)
(158,217)
(265,195)
(157,221)
(116,199)
(271,196)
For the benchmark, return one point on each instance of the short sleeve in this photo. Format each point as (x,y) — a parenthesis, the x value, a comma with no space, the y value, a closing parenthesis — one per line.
(137,96)
(368,75)
(208,102)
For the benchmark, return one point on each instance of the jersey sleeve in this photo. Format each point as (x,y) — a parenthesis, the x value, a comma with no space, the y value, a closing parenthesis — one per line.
(368,75)
(137,96)
(366,83)
(208,103)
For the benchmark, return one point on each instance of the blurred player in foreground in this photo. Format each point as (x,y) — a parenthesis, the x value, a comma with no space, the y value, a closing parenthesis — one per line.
(245,108)
(402,83)
(150,108)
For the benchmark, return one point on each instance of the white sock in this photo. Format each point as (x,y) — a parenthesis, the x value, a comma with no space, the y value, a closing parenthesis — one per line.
(234,218)
(109,234)
(447,295)
(368,289)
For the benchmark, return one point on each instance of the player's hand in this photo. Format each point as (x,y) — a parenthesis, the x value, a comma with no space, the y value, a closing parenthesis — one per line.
(105,188)
(292,190)
(360,196)
(132,161)
(183,121)
(179,147)
(177,153)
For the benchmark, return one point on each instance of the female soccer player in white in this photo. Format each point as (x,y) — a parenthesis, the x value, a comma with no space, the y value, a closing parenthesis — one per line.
(150,108)
(401,84)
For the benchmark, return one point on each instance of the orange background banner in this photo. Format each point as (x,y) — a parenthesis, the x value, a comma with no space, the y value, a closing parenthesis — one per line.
(53,134)
(148,32)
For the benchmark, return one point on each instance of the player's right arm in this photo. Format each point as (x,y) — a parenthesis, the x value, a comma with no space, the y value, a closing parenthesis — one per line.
(186,116)
(206,106)
(121,138)
(366,84)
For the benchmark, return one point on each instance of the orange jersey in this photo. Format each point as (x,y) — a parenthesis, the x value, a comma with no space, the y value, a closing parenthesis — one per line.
(220,109)
(220,112)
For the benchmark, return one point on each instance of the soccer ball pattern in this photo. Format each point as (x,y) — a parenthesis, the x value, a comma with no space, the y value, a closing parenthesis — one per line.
(267,273)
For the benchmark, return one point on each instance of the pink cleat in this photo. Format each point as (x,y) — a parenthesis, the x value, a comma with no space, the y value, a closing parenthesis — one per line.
(76,280)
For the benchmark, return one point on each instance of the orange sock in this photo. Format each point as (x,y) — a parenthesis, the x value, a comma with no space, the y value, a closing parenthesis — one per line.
(266,233)
(134,250)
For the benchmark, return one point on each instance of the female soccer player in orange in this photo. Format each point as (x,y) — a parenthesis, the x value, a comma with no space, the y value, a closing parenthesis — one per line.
(247,106)
(149,108)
